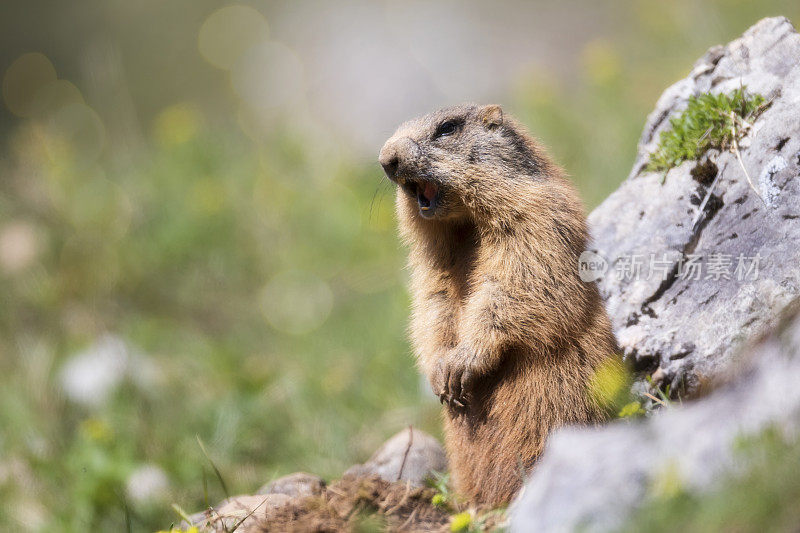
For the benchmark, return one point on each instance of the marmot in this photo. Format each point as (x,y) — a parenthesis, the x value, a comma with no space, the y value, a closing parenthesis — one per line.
(502,325)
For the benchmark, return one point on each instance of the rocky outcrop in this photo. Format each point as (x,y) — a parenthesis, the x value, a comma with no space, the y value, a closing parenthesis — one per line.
(592,480)
(718,263)
(697,264)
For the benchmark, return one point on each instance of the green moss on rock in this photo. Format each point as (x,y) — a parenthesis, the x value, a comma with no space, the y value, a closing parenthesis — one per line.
(709,121)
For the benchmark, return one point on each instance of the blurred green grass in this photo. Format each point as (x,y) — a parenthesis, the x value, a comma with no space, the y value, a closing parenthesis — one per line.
(256,288)
(761,494)
(213,261)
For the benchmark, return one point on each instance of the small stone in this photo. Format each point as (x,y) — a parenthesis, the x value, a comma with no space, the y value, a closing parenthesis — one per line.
(411,455)
(249,512)
(296,485)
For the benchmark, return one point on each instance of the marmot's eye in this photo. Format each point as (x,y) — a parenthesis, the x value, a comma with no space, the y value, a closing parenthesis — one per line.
(448,127)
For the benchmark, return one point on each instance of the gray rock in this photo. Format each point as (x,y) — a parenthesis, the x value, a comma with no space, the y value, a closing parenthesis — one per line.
(593,479)
(411,455)
(296,485)
(690,328)
(249,512)
(260,506)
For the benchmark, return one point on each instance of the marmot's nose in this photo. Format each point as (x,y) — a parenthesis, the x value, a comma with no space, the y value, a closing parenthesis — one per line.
(389,160)
(397,154)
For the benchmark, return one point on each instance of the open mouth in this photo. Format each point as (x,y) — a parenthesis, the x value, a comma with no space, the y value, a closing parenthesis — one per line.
(427,198)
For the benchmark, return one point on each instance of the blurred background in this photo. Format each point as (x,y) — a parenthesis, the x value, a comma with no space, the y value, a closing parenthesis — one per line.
(196,240)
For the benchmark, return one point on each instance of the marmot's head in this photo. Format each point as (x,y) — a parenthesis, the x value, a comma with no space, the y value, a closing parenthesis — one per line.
(445,160)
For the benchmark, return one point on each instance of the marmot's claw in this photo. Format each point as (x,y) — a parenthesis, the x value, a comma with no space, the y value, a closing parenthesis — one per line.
(467,382)
(453,383)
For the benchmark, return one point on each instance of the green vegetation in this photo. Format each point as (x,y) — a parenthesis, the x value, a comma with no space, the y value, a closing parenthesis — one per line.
(709,121)
(461,522)
(763,496)
(444,497)
(259,302)
(632,409)
(610,387)
(461,518)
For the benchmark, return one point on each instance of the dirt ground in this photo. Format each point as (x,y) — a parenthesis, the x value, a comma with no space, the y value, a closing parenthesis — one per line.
(361,504)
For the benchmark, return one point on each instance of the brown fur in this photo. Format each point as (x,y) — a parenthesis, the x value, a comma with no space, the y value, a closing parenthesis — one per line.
(502,325)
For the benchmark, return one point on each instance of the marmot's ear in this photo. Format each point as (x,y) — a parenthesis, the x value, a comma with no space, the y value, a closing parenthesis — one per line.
(491,116)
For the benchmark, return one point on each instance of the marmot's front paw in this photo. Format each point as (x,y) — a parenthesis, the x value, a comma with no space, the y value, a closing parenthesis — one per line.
(454,379)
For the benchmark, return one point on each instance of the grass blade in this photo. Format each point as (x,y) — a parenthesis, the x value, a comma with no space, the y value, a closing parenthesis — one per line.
(214,466)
